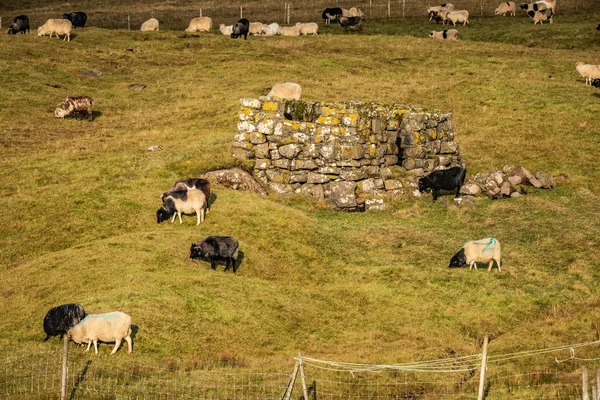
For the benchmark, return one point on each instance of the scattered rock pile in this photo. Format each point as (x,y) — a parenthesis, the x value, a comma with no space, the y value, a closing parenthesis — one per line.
(510,182)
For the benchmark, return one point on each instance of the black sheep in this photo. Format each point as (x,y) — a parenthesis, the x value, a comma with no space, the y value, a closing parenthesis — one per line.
(242,27)
(77,19)
(446,179)
(349,22)
(60,319)
(330,13)
(217,248)
(596,83)
(19,24)
(598,27)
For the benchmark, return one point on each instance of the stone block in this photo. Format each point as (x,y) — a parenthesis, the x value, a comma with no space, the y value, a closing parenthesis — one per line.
(283,163)
(470,189)
(355,152)
(317,178)
(390,160)
(342,194)
(283,188)
(353,174)
(298,177)
(366,185)
(251,103)
(374,205)
(257,138)
(392,184)
(262,150)
(304,164)
(449,147)
(290,150)
(262,163)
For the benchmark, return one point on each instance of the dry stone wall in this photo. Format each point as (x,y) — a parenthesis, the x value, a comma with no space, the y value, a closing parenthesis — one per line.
(341,150)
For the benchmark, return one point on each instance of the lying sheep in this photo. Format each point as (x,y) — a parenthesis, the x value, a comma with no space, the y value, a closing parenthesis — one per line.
(456,16)
(508,7)
(200,24)
(58,27)
(448,34)
(329,14)
(188,184)
(271,29)
(150,25)
(226,30)
(540,16)
(287,90)
(240,28)
(191,201)
(445,179)
(215,249)
(60,319)
(72,105)
(109,327)
(19,24)
(588,71)
(289,31)
(255,28)
(354,23)
(309,28)
(479,251)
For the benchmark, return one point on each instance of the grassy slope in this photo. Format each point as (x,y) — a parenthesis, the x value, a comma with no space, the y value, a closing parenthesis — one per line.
(80,197)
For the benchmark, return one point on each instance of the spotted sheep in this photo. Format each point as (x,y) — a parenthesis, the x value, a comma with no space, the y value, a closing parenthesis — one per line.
(72,105)
(201,184)
(485,251)
(191,201)
(448,34)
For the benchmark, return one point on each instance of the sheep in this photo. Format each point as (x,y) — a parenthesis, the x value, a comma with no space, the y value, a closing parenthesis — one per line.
(448,34)
(226,30)
(329,14)
(19,24)
(309,28)
(446,179)
(456,16)
(150,25)
(349,22)
(217,248)
(60,319)
(598,27)
(287,90)
(289,30)
(540,16)
(57,26)
(508,7)
(434,11)
(241,28)
(200,24)
(192,183)
(357,12)
(255,28)
(596,83)
(538,6)
(182,202)
(75,104)
(271,29)
(588,71)
(78,19)
(345,13)
(109,327)
(479,251)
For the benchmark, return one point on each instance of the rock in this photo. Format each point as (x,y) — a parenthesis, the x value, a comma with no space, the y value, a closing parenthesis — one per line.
(545,179)
(290,150)
(466,202)
(257,138)
(298,177)
(282,188)
(515,180)
(449,148)
(353,174)
(283,163)
(505,188)
(136,87)
(251,103)
(491,188)
(93,73)
(262,150)
(392,184)
(534,182)
(374,205)
(303,164)
(263,163)
(498,177)
(234,178)
(470,189)
(515,195)
(317,178)
(367,185)
(342,194)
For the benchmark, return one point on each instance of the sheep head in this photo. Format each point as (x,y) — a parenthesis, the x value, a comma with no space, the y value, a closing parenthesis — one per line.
(458,260)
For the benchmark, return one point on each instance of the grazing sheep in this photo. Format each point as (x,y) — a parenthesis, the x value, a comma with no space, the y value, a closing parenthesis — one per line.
(329,14)
(58,27)
(241,28)
(479,251)
(309,28)
(540,16)
(289,30)
(75,104)
(598,27)
(19,24)
(109,327)
(508,7)
(354,23)
(78,18)
(588,71)
(191,201)
(596,83)
(538,6)
(216,248)
(255,28)
(192,183)
(271,29)
(287,90)
(357,12)
(226,30)
(60,319)
(200,24)
(456,16)
(150,25)
(448,34)
(434,11)
(445,179)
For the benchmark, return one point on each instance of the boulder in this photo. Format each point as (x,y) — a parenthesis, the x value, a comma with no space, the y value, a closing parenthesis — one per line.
(374,205)
(342,194)
(545,179)
(470,189)
(234,178)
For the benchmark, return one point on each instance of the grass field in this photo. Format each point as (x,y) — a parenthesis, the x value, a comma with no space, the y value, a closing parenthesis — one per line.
(79,198)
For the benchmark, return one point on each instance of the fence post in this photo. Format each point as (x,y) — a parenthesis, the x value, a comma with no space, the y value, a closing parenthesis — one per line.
(597,385)
(389,8)
(128,22)
(63,380)
(481,6)
(0,22)
(586,384)
(241,12)
(290,388)
(371,9)
(483,366)
(288,13)
(403,6)
(314,393)
(200,12)
(303,378)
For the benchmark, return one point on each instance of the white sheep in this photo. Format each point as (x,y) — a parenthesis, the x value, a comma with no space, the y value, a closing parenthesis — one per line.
(434,11)
(271,29)
(588,71)
(200,24)
(357,12)
(58,27)
(289,31)
(226,30)
(309,28)
(255,28)
(346,12)
(509,7)
(109,327)
(456,16)
(191,201)
(287,90)
(449,34)
(478,251)
(150,25)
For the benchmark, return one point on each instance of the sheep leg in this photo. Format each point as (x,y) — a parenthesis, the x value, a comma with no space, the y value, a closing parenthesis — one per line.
(213,264)
(473,264)
(88,347)
(227,263)
(96,345)
(498,264)
(129,345)
(174,216)
(435,194)
(180,220)
(117,344)
(491,265)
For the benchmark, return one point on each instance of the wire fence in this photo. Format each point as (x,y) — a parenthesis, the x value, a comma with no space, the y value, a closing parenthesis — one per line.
(177,14)
(538,374)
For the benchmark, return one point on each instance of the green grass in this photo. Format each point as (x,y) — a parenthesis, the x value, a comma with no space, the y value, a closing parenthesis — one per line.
(79,198)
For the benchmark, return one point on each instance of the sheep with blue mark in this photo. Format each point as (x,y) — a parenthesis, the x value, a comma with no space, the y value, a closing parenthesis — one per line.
(485,251)
(109,327)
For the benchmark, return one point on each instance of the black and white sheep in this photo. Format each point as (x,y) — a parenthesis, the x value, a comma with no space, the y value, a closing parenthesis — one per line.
(190,201)
(486,251)
(72,105)
(540,16)
(446,179)
(447,34)
(191,183)
(241,28)
(60,319)
(109,327)
(78,18)
(19,24)
(329,14)
(215,249)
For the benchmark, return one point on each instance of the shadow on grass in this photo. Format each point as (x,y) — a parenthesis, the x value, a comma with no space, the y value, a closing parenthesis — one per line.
(80,379)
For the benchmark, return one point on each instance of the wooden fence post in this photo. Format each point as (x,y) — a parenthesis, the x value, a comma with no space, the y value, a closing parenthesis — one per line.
(200,12)
(597,385)
(370,8)
(303,378)
(241,12)
(63,380)
(586,384)
(481,6)
(403,7)
(483,366)
(288,13)
(314,393)
(290,388)
(128,22)
(389,8)
(0,22)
